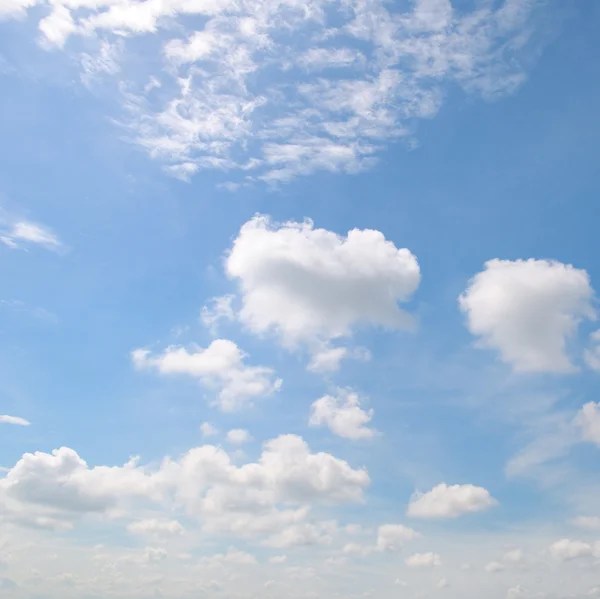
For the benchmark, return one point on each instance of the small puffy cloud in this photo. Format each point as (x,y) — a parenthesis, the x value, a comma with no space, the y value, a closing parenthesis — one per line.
(592,354)
(566,549)
(233,556)
(493,567)
(342,415)
(208,430)
(327,359)
(26,232)
(220,366)
(527,310)
(238,436)
(444,501)
(423,560)
(588,420)
(155,527)
(587,522)
(302,534)
(513,556)
(311,285)
(442,583)
(278,559)
(14,420)
(390,537)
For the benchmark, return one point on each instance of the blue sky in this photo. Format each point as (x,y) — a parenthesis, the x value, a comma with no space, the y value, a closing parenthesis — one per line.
(326,271)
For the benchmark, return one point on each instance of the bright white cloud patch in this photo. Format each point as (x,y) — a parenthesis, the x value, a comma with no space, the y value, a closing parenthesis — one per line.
(450,501)
(342,415)
(14,420)
(528,310)
(566,549)
(588,420)
(23,233)
(311,285)
(423,560)
(267,497)
(220,366)
(391,537)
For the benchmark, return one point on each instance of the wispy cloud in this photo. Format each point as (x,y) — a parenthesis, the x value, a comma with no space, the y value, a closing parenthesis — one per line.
(14,420)
(23,233)
(275,90)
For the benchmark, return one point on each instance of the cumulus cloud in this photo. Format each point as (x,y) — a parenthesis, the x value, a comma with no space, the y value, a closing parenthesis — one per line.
(391,537)
(588,421)
(423,560)
(528,310)
(14,420)
(342,415)
(310,285)
(220,366)
(238,436)
(155,527)
(208,430)
(566,549)
(493,567)
(450,501)
(55,490)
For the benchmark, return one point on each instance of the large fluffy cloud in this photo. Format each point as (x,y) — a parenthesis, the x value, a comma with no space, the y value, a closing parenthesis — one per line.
(450,501)
(54,490)
(221,366)
(527,310)
(311,285)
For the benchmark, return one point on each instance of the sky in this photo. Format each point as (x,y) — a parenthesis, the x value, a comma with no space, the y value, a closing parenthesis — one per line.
(298,299)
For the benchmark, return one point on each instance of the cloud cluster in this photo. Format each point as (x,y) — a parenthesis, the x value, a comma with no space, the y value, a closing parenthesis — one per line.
(220,366)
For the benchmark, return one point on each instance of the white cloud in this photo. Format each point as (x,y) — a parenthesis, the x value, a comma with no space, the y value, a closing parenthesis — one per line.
(527,310)
(239,436)
(588,522)
(27,232)
(566,549)
(218,309)
(588,420)
(208,430)
(233,556)
(302,534)
(155,527)
(14,420)
(327,359)
(220,366)
(390,537)
(342,415)
(311,285)
(278,559)
(54,490)
(513,556)
(423,560)
(592,354)
(444,501)
(493,567)
(443,583)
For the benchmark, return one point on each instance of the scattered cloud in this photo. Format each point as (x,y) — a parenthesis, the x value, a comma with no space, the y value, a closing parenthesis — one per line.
(588,522)
(514,556)
(217,310)
(566,549)
(493,567)
(208,430)
(592,354)
(342,415)
(391,537)
(588,421)
(155,527)
(220,366)
(423,560)
(23,233)
(14,420)
(528,310)
(238,436)
(444,501)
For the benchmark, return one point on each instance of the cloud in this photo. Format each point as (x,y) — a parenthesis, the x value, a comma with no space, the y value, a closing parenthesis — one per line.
(592,354)
(219,366)
(566,549)
(588,522)
(493,567)
(311,285)
(445,501)
(233,556)
(423,560)
(588,421)
(278,559)
(527,310)
(391,537)
(208,430)
(239,436)
(155,527)
(218,309)
(26,232)
(342,415)
(55,490)
(14,420)
(513,556)
(302,534)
